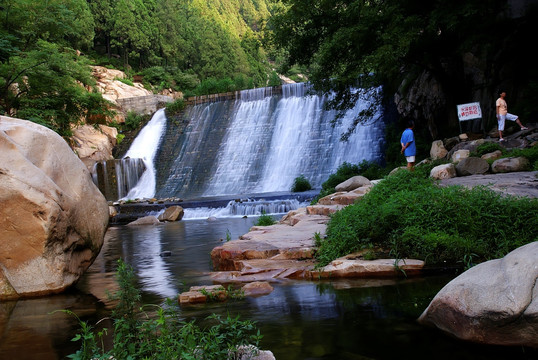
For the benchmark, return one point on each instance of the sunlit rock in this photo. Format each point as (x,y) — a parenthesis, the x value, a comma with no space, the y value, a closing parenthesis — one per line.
(495,302)
(52,219)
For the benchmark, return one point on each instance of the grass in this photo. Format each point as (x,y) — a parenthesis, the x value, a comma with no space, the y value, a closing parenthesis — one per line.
(408,215)
(159,334)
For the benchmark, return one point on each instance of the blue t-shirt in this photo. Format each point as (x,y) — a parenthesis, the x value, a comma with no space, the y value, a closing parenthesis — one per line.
(409,137)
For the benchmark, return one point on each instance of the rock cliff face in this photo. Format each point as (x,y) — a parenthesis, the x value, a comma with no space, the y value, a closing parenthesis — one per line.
(52,217)
(93,144)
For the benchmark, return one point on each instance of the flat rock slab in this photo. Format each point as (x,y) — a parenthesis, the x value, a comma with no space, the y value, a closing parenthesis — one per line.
(270,270)
(279,241)
(356,268)
(515,183)
(205,293)
(277,270)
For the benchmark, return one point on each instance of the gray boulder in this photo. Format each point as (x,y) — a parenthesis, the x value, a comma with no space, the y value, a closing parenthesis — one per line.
(472,166)
(438,150)
(495,302)
(511,164)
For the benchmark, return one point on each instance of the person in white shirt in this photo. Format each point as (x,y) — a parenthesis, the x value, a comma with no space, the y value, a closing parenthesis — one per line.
(503,114)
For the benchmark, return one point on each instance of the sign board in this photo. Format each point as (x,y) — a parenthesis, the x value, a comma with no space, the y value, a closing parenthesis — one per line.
(469,111)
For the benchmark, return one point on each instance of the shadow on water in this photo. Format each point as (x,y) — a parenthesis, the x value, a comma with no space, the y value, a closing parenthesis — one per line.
(348,319)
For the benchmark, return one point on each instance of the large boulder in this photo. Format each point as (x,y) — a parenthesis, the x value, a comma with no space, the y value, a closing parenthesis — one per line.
(52,217)
(443,171)
(472,166)
(172,213)
(511,164)
(438,150)
(353,183)
(495,302)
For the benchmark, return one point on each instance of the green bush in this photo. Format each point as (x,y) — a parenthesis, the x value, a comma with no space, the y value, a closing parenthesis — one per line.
(133,120)
(174,107)
(486,148)
(412,217)
(161,335)
(125,81)
(301,184)
(265,220)
(530,153)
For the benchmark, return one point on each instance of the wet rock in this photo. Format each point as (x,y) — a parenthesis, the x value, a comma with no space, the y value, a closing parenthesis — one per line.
(201,294)
(264,242)
(347,267)
(172,213)
(257,288)
(268,270)
(146,220)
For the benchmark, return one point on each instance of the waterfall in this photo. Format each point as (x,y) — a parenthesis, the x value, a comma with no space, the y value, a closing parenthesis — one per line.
(115,178)
(261,141)
(145,147)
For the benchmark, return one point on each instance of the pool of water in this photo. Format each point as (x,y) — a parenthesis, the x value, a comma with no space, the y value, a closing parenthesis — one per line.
(346,319)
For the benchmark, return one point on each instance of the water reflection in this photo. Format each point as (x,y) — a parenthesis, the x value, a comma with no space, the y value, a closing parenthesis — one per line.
(345,319)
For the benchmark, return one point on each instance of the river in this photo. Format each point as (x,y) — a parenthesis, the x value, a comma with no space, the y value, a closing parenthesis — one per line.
(346,319)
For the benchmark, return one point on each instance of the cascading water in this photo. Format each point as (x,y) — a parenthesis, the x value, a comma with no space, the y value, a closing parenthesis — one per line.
(145,147)
(261,142)
(242,208)
(115,178)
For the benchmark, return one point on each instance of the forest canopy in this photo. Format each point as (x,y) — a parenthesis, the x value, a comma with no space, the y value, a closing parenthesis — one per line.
(465,49)
(46,48)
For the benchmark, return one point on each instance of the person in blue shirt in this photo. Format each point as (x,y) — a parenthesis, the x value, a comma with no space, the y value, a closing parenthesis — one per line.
(409,148)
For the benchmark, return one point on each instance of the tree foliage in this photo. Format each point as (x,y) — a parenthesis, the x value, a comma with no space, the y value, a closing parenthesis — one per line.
(393,41)
(46,48)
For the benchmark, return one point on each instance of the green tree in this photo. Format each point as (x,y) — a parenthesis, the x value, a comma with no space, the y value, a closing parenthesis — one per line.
(45,85)
(348,42)
(102,11)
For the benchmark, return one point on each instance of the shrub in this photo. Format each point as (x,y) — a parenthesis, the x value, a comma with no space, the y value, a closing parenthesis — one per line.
(125,81)
(486,148)
(301,184)
(133,120)
(174,107)
(530,153)
(411,216)
(265,220)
